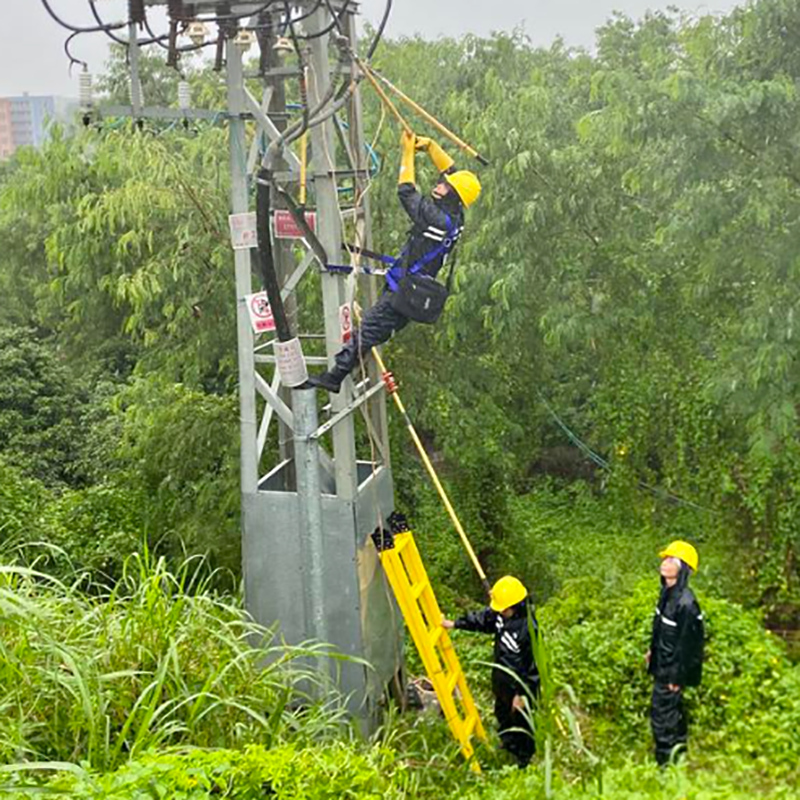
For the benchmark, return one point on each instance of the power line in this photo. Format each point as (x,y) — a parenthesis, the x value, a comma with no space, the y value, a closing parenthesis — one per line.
(601,462)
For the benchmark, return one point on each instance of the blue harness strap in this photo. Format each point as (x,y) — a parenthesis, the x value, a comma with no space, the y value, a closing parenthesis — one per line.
(447,240)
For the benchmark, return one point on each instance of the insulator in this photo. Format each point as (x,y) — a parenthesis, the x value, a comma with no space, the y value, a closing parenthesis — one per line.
(85,91)
(197,32)
(244,40)
(184,95)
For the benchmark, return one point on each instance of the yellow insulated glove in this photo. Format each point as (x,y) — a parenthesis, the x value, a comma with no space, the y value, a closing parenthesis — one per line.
(407,171)
(440,159)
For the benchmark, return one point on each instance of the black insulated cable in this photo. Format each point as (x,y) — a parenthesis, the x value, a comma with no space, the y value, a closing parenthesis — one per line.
(102,23)
(76,28)
(72,59)
(106,29)
(336,23)
(223,17)
(381,28)
(266,259)
(301,17)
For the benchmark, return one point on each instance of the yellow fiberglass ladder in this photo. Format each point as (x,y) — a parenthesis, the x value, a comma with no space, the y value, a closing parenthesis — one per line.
(403,566)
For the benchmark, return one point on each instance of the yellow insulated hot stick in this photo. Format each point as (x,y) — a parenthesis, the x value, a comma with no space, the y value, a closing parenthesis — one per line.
(392,388)
(303,168)
(467,148)
(383,96)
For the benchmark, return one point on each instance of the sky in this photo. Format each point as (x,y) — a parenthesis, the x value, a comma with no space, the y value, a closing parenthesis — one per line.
(31,44)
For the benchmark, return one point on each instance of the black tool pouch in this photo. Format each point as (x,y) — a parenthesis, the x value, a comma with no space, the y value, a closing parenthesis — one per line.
(421,298)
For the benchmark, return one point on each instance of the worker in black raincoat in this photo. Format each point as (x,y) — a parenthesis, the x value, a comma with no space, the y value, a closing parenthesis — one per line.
(437,222)
(515,677)
(675,658)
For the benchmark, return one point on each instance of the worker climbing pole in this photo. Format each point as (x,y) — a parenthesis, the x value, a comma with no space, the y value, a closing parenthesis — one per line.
(412,292)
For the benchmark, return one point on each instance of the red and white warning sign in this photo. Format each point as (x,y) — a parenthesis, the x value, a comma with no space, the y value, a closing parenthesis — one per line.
(346,322)
(244,230)
(260,313)
(286,228)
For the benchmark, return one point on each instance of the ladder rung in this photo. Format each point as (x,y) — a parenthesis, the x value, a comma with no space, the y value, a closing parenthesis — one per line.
(436,634)
(452,681)
(471,722)
(418,588)
(401,545)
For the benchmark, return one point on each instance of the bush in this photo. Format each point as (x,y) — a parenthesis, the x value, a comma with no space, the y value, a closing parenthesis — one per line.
(746,705)
(23,501)
(41,404)
(157,661)
(97,528)
(326,772)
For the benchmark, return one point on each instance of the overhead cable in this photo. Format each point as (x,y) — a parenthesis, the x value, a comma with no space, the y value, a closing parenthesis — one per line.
(72,59)
(78,28)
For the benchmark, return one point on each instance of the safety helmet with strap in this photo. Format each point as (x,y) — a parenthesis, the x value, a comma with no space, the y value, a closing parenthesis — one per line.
(466,185)
(682,550)
(507,592)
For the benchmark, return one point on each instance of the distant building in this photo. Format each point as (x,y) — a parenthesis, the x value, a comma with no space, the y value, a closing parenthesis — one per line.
(25,120)
(6,133)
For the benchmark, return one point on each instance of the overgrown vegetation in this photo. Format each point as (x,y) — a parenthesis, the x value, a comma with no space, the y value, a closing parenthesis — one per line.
(618,368)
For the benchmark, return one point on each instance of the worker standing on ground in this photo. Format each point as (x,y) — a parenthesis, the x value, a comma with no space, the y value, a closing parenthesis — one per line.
(437,222)
(515,677)
(675,658)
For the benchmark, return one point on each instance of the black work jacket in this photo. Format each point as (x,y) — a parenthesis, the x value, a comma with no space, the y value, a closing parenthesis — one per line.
(678,638)
(429,219)
(512,646)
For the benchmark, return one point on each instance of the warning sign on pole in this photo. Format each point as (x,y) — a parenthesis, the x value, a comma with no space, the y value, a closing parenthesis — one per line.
(260,313)
(286,228)
(244,230)
(291,364)
(346,322)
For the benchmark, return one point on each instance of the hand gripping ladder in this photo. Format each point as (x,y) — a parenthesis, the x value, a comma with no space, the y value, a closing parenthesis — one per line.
(403,566)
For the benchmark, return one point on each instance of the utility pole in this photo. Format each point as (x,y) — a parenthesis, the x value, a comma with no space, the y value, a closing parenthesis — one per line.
(310,498)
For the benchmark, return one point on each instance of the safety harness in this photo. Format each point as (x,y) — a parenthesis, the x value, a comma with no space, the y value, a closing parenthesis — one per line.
(395,273)
(447,241)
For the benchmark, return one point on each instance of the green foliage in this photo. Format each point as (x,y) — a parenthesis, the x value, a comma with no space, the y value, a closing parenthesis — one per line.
(180,452)
(328,772)
(156,661)
(598,643)
(22,501)
(632,261)
(41,404)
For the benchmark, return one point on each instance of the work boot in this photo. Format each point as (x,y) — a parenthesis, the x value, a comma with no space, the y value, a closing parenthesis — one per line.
(330,381)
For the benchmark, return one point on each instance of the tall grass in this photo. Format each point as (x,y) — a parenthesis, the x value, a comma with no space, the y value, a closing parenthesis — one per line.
(97,675)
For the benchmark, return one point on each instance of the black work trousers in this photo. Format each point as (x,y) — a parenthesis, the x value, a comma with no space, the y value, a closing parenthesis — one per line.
(377,326)
(516,733)
(668,720)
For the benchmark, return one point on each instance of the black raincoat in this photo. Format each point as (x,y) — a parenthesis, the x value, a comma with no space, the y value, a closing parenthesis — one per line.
(676,658)
(515,670)
(382,320)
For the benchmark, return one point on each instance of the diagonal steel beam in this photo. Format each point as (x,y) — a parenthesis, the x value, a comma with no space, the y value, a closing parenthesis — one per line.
(269,410)
(268,126)
(282,410)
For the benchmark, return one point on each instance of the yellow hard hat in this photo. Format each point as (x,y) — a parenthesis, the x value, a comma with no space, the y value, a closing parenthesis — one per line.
(507,592)
(682,550)
(466,185)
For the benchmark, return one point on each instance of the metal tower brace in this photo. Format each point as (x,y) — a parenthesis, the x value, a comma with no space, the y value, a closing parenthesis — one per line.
(308,562)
